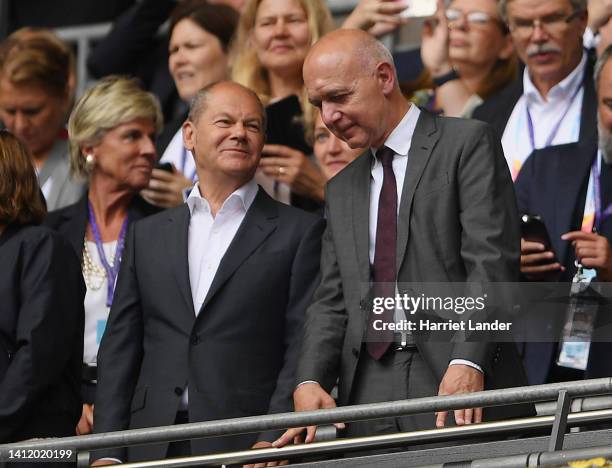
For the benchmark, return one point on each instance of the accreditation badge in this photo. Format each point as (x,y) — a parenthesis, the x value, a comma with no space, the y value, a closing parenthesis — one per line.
(577,333)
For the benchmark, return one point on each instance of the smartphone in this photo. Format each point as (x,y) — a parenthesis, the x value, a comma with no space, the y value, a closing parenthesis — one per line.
(284,124)
(533,229)
(419,9)
(164,166)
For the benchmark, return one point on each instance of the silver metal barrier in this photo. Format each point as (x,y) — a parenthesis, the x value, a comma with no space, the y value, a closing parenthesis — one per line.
(347,414)
(82,38)
(377,442)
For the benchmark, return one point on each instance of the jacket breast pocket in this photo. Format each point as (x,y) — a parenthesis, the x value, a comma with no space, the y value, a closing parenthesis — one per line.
(430,186)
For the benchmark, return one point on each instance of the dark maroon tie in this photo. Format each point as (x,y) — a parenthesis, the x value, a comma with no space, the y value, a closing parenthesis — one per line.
(384,254)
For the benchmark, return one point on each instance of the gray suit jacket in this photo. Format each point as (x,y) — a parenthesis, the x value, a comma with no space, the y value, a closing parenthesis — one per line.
(65,189)
(457,222)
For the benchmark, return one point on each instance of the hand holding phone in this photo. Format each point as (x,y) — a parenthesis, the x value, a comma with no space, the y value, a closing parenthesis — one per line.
(419,8)
(538,259)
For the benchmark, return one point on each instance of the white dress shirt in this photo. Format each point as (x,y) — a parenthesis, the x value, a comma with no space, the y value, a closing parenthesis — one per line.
(209,238)
(96,310)
(545,115)
(399,141)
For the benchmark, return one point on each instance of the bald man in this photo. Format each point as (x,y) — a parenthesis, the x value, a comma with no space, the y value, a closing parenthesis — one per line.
(430,200)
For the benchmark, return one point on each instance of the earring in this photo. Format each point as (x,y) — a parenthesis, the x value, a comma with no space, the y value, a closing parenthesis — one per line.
(90,162)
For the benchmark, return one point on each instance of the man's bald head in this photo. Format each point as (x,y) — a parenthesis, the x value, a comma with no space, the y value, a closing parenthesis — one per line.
(351,78)
(351,48)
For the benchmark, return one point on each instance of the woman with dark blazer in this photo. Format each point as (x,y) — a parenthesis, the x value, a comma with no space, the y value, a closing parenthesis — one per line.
(41,312)
(112,132)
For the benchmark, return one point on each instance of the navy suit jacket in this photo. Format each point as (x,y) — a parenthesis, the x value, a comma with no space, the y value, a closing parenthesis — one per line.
(41,334)
(552,184)
(237,356)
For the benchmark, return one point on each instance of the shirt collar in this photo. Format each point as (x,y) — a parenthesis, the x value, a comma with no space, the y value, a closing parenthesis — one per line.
(564,89)
(244,195)
(397,139)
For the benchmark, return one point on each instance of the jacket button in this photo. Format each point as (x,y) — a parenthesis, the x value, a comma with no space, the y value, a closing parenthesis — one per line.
(178,391)
(355,352)
(195,339)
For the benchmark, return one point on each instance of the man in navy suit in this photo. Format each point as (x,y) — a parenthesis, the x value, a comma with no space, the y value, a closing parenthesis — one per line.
(211,295)
(570,187)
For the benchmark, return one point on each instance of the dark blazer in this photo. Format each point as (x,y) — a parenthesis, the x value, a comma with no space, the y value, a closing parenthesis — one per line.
(552,184)
(457,223)
(237,357)
(72,220)
(41,335)
(497,109)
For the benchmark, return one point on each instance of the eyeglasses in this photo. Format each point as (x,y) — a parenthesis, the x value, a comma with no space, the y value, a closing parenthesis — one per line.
(552,24)
(473,18)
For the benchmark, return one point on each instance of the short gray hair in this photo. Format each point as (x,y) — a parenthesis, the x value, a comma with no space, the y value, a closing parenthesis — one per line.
(200,101)
(577,5)
(112,101)
(600,64)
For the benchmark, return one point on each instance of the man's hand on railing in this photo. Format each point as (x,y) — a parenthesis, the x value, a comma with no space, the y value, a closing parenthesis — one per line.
(105,462)
(461,379)
(264,444)
(307,397)
(85,424)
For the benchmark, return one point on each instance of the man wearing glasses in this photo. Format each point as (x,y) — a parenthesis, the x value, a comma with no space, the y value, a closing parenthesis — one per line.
(554,102)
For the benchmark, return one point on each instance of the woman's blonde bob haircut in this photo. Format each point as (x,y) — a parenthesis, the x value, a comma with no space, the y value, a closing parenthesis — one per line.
(112,101)
(246,67)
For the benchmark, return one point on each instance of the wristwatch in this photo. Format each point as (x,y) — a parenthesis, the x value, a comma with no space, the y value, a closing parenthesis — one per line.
(442,79)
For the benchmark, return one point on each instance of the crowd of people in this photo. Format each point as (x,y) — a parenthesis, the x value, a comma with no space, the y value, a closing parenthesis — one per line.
(202,234)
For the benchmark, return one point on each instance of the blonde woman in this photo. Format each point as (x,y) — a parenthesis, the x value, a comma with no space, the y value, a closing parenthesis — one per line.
(273,39)
(112,132)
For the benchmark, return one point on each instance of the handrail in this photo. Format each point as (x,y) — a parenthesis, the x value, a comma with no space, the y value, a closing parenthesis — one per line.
(348,413)
(375,442)
(561,457)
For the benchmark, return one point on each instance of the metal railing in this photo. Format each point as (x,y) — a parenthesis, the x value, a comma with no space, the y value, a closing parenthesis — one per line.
(562,392)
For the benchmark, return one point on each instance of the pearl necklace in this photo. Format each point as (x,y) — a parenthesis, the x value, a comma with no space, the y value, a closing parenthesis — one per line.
(93,273)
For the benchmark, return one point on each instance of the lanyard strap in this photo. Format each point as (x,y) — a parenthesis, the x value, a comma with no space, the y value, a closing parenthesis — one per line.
(555,129)
(111,271)
(184,166)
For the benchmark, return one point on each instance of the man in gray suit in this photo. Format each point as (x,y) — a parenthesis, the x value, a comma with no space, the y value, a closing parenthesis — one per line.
(431,200)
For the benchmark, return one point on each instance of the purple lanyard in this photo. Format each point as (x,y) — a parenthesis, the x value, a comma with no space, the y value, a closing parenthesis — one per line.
(599,215)
(184,166)
(111,272)
(555,129)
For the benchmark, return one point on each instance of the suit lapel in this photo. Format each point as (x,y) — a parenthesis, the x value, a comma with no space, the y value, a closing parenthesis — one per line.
(423,141)
(177,232)
(361,216)
(78,217)
(259,222)
(572,169)
(588,119)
